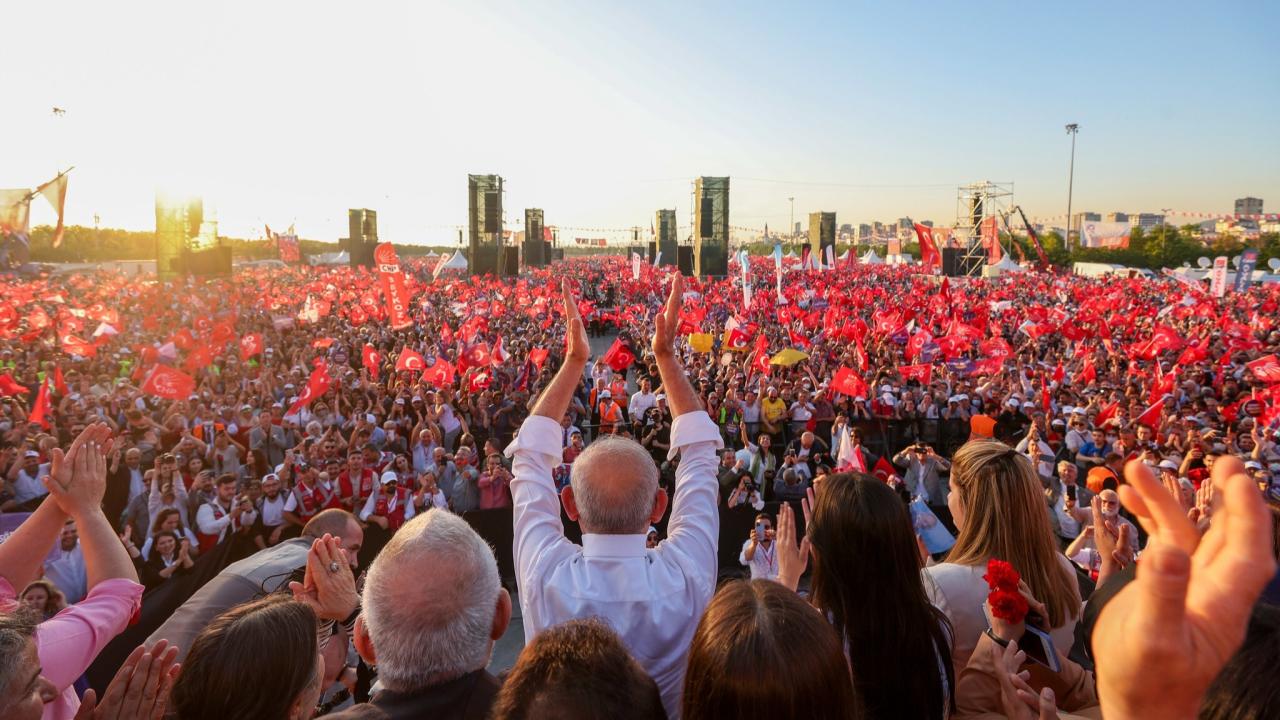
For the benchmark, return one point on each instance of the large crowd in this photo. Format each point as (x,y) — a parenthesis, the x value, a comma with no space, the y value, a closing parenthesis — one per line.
(272,495)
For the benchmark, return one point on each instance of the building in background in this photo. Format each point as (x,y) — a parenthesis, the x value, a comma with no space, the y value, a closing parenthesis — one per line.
(864,232)
(1248,206)
(1146,221)
(1117,217)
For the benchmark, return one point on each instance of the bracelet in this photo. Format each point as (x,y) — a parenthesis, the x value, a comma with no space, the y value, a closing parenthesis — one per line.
(996,638)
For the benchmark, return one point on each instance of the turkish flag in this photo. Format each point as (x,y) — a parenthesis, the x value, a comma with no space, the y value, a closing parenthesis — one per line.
(440,374)
(9,386)
(75,345)
(477,355)
(480,381)
(1151,416)
(860,356)
(169,383)
(538,356)
(619,356)
(60,383)
(251,345)
(317,385)
(1059,373)
(917,342)
(847,382)
(43,407)
(920,373)
(738,340)
(929,254)
(1106,413)
(410,360)
(799,340)
(1194,353)
(371,359)
(499,356)
(200,358)
(883,471)
(761,362)
(1266,369)
(1088,373)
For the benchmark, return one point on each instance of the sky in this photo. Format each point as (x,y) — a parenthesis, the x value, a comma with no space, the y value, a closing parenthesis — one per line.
(602,112)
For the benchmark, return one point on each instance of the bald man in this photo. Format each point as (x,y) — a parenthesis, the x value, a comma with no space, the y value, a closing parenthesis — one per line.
(651,597)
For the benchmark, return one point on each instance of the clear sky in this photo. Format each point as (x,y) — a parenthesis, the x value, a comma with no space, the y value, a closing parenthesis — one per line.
(601,112)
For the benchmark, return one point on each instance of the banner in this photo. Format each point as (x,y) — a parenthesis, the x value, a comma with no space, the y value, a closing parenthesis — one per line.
(635,266)
(929,255)
(744,262)
(287,245)
(829,257)
(15,209)
(393,287)
(777,264)
(989,232)
(1218,276)
(1244,271)
(1105,235)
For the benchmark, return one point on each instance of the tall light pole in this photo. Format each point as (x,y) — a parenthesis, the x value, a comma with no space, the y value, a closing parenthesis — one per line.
(791,228)
(1072,129)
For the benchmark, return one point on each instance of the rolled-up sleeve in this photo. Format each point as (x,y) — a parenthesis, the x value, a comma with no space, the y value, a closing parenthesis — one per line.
(694,529)
(69,641)
(539,534)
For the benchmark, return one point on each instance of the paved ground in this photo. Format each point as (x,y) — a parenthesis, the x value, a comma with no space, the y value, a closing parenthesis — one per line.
(510,644)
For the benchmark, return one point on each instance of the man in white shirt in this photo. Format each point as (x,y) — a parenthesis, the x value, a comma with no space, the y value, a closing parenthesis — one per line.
(641,401)
(759,553)
(65,567)
(26,481)
(654,597)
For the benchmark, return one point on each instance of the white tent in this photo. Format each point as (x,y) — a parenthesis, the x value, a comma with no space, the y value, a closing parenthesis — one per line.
(846,254)
(1007,264)
(871,258)
(457,262)
(338,258)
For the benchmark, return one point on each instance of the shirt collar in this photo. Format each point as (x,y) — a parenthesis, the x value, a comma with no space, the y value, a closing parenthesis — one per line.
(623,546)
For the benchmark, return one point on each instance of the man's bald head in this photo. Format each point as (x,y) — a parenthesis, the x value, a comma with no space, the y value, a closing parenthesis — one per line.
(614,483)
(422,634)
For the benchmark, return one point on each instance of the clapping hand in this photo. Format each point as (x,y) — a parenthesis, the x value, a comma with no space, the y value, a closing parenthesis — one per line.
(792,558)
(77,479)
(1163,638)
(140,689)
(328,586)
(575,332)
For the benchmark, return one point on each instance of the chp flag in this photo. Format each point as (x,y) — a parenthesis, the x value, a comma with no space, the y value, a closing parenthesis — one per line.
(1244,271)
(393,286)
(1218,276)
(169,383)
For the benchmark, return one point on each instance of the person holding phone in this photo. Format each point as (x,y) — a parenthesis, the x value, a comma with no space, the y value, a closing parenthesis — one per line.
(758,552)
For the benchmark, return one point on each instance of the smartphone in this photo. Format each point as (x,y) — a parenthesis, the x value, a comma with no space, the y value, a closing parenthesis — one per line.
(1071,491)
(1035,642)
(759,532)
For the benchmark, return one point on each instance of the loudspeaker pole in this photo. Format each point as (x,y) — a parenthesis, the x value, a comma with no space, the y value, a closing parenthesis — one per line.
(1072,129)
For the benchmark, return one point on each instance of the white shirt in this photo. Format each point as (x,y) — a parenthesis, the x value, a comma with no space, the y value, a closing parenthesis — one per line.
(652,598)
(273,510)
(137,483)
(28,487)
(67,571)
(764,564)
(392,500)
(1070,527)
(641,402)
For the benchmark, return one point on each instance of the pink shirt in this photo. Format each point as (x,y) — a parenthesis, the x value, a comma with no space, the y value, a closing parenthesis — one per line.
(493,491)
(70,641)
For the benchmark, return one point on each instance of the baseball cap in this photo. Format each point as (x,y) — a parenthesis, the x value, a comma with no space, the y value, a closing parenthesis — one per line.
(31,454)
(982,426)
(389,477)
(606,394)
(1168,465)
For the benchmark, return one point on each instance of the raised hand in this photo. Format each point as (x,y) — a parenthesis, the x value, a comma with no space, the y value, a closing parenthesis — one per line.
(667,321)
(140,689)
(575,332)
(77,480)
(328,585)
(792,558)
(1185,614)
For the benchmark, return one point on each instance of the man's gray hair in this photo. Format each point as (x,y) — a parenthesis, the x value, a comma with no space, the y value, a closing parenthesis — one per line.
(428,631)
(17,628)
(614,482)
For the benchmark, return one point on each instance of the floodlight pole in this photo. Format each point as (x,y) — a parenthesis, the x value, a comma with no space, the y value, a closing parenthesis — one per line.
(1072,129)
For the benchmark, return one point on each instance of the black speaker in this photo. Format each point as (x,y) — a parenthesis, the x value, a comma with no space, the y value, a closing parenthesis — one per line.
(510,261)
(212,262)
(714,260)
(492,211)
(195,216)
(549,253)
(653,251)
(361,253)
(684,260)
(951,261)
(533,256)
(975,212)
(705,217)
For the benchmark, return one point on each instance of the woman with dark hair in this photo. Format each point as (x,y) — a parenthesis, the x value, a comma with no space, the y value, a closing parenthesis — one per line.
(257,660)
(168,520)
(997,502)
(762,653)
(170,556)
(866,580)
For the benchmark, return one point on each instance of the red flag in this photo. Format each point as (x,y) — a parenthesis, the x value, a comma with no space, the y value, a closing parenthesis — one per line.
(393,286)
(43,406)
(917,342)
(1045,400)
(860,355)
(478,355)
(480,381)
(200,358)
(60,383)
(371,359)
(75,345)
(169,383)
(317,385)
(761,362)
(1194,353)
(619,356)
(1106,413)
(1088,373)
(410,360)
(847,382)
(1151,416)
(251,345)
(929,255)
(1266,369)
(499,356)
(738,339)
(9,386)
(883,471)
(538,356)
(440,374)
(798,340)
(921,373)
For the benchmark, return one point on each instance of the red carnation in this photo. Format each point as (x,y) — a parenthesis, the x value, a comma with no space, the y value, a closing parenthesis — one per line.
(1001,576)
(1008,605)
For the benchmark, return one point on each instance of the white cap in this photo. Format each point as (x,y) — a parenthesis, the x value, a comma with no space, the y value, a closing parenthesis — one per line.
(1168,465)
(389,477)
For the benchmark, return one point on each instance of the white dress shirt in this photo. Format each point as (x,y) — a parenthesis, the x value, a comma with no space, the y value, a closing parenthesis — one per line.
(66,570)
(652,598)
(764,564)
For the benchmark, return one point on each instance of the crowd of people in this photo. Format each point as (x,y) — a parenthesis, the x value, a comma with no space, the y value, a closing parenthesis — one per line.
(268,496)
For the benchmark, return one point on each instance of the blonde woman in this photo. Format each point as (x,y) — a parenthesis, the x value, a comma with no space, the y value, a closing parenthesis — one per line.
(998,505)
